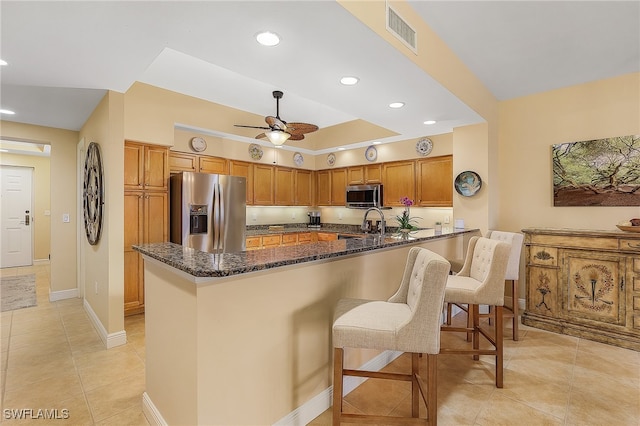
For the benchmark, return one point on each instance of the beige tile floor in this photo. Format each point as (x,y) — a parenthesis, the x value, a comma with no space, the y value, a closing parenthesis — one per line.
(52,358)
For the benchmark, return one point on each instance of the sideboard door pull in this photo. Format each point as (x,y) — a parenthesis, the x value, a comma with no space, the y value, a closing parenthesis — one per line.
(622,284)
(635,246)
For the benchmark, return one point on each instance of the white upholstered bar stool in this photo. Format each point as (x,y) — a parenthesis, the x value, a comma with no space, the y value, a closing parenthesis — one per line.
(409,322)
(481,282)
(512,274)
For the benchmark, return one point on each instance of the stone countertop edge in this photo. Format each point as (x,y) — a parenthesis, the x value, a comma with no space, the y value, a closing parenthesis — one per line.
(200,264)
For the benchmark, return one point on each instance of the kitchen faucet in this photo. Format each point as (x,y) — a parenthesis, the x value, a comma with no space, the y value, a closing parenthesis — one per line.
(382,221)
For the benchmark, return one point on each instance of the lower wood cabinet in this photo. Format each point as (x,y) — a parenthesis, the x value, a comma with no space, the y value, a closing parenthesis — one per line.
(585,284)
(146,220)
(280,240)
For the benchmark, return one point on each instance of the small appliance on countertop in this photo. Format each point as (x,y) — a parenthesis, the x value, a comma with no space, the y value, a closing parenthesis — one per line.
(314,219)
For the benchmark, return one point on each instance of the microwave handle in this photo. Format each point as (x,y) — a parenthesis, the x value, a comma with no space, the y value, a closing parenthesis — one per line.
(375,195)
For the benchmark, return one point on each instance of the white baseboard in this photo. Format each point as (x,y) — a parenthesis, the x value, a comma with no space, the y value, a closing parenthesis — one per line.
(110,340)
(37,262)
(322,402)
(151,412)
(63,294)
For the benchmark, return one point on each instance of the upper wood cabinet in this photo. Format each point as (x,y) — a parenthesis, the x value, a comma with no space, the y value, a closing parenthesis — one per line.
(243,168)
(263,185)
(284,186)
(355,175)
(323,187)
(373,173)
(399,181)
(214,165)
(303,188)
(182,162)
(338,187)
(146,167)
(434,183)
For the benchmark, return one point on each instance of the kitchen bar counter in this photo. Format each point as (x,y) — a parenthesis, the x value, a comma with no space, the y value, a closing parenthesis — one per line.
(202,264)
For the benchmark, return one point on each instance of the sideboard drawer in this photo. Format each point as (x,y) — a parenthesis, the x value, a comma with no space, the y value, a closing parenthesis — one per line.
(630,244)
(547,256)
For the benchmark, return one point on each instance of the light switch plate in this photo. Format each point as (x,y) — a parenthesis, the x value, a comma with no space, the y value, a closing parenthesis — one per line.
(65,217)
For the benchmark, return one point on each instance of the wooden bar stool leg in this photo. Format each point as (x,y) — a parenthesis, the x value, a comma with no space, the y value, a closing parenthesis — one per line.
(432,389)
(474,312)
(415,387)
(338,359)
(469,323)
(499,347)
(514,297)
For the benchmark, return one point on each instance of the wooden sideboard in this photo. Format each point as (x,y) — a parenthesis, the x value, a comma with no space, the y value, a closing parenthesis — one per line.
(585,284)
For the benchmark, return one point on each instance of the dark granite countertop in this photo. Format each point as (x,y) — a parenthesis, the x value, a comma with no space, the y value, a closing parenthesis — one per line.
(202,264)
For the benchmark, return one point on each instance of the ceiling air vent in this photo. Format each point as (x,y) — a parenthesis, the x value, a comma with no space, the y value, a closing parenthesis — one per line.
(401,29)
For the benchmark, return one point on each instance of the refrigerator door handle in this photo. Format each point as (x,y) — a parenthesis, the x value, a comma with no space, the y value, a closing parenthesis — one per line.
(221,219)
(216,218)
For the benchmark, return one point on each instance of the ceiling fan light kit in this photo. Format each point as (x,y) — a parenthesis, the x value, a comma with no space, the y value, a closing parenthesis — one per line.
(279,131)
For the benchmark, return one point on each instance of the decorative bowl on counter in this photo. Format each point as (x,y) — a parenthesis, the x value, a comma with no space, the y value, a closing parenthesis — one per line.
(628,228)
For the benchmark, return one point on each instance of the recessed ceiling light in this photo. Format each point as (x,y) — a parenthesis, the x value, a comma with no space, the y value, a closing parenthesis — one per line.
(377,143)
(6,111)
(267,38)
(429,122)
(349,80)
(3,62)
(396,104)
(341,149)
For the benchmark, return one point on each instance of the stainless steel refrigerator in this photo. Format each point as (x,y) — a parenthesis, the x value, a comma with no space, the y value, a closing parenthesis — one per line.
(208,212)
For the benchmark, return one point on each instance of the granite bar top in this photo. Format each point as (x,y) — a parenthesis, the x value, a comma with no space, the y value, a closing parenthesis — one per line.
(203,264)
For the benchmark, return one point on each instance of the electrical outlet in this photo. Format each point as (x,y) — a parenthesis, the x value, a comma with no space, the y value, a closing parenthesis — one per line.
(339,215)
(447,219)
(254,216)
(293,215)
(65,217)
(96,286)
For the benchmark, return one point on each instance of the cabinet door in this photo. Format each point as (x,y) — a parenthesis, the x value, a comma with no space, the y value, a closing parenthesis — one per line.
(398,179)
(214,165)
(323,187)
(156,168)
(434,186)
(327,236)
(242,168)
(133,263)
(284,186)
(156,215)
(373,173)
(271,241)
(262,185)
(289,239)
(253,243)
(304,238)
(338,187)
(133,166)
(355,175)
(182,162)
(592,286)
(542,285)
(303,188)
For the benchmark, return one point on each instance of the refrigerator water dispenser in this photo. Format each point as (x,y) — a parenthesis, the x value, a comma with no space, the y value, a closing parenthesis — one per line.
(198,218)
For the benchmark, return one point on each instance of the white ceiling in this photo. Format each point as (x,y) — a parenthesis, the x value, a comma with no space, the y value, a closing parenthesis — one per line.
(63,56)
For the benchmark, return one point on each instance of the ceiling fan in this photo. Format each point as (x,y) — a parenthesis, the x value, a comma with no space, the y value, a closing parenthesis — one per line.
(279,131)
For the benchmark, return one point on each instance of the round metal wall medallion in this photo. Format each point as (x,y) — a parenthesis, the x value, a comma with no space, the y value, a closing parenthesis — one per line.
(424,146)
(198,144)
(93,193)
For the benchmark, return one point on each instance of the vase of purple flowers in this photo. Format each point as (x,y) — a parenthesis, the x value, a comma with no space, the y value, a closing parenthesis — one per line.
(406,223)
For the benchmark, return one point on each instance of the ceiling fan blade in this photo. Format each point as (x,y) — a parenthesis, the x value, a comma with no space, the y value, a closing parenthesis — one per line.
(300,128)
(252,127)
(296,136)
(261,136)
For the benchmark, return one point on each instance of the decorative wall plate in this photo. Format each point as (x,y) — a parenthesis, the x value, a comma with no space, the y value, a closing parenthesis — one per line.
(93,193)
(371,154)
(331,159)
(424,146)
(255,151)
(298,159)
(467,183)
(198,144)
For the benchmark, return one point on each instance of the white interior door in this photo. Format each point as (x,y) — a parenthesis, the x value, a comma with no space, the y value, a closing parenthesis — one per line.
(16,216)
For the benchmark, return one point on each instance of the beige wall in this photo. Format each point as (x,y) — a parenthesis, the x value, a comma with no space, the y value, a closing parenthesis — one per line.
(104,262)
(63,196)
(41,199)
(531,124)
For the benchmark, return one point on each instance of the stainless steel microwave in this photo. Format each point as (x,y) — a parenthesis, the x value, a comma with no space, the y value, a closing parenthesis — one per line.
(364,196)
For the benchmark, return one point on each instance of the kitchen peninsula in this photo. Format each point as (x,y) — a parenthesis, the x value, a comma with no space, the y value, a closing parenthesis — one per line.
(245,338)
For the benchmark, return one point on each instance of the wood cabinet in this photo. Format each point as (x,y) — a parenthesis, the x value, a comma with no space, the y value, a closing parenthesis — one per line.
(182,162)
(399,181)
(146,213)
(434,182)
(263,185)
(284,186)
(289,239)
(215,165)
(355,175)
(339,187)
(373,173)
(323,188)
(303,188)
(585,284)
(253,243)
(242,168)
(327,236)
(146,167)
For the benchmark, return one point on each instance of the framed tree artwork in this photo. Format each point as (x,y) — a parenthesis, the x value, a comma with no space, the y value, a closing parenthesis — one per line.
(601,172)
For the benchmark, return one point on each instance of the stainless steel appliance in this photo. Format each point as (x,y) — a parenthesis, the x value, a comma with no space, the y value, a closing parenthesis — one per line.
(314,219)
(364,196)
(208,212)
